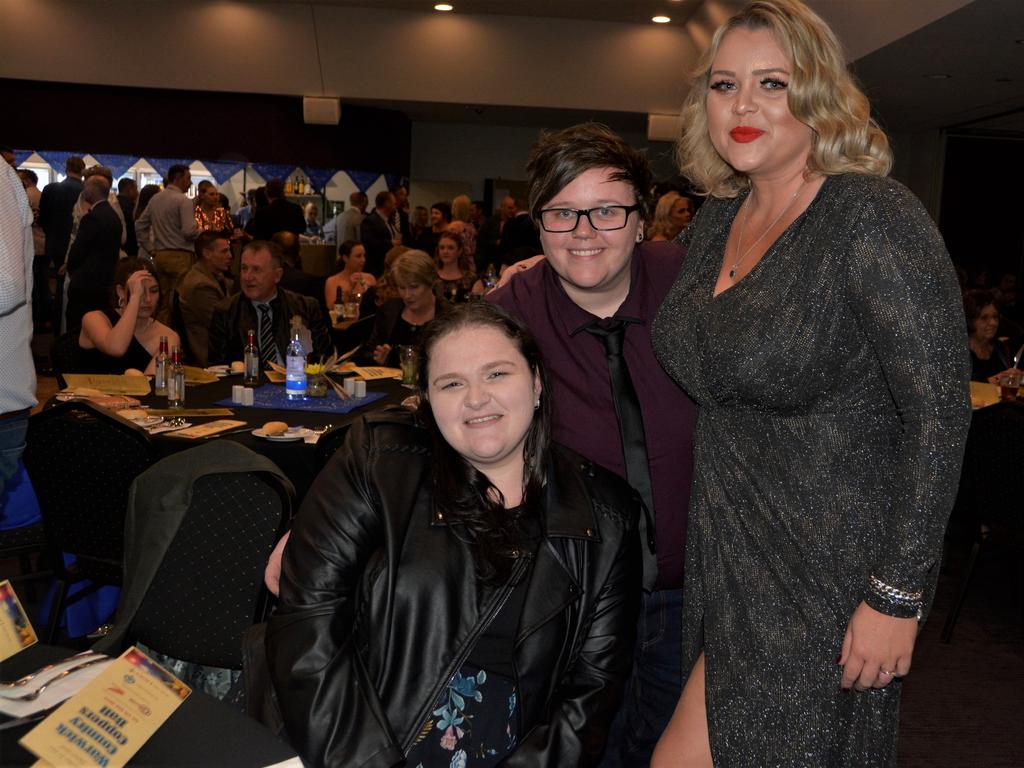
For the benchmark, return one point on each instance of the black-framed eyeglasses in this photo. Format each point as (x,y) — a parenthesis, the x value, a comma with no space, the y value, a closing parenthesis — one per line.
(603,217)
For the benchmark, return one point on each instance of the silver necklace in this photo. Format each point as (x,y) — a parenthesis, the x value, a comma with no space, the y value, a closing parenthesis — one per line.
(746,216)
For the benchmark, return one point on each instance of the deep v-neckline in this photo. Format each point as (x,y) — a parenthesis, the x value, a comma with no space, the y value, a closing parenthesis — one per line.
(784,234)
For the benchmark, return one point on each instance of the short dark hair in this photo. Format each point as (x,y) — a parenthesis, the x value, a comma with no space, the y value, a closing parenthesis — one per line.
(100,170)
(75,165)
(206,240)
(175,171)
(125,184)
(461,492)
(274,189)
(445,209)
(204,185)
(559,157)
(975,301)
(358,198)
(276,258)
(382,197)
(29,174)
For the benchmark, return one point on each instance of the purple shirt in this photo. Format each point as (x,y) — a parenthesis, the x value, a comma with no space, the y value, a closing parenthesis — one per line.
(584,414)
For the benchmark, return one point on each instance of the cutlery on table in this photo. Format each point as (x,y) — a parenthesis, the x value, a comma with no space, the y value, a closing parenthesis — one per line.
(35,694)
(32,675)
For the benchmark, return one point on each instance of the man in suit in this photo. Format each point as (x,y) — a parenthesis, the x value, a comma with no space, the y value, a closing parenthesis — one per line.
(293,278)
(55,205)
(204,286)
(93,256)
(519,237)
(399,221)
(264,307)
(376,233)
(281,215)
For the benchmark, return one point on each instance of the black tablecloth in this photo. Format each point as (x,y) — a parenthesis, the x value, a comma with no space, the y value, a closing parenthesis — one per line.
(201,732)
(298,460)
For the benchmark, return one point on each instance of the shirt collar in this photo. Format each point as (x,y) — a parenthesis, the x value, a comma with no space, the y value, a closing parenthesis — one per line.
(574,318)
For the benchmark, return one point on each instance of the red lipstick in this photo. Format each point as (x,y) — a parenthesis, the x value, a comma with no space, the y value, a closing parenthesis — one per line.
(744,133)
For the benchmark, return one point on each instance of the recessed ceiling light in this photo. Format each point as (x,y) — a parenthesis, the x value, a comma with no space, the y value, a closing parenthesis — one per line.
(938,76)
(444,7)
(661,19)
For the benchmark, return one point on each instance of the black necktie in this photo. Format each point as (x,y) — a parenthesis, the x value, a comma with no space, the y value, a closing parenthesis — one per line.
(268,349)
(631,428)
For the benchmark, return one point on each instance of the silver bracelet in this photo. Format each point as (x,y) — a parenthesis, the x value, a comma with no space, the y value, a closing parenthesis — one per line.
(893,594)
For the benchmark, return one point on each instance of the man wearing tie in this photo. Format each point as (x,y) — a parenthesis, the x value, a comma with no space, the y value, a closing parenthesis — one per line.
(267,309)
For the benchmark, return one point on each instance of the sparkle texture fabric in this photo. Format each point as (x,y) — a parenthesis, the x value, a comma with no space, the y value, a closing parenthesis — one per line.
(832,387)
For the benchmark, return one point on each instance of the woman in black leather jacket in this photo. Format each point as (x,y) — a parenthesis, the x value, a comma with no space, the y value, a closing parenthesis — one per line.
(458,591)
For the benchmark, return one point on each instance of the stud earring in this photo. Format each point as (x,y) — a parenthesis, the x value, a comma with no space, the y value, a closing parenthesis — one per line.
(536,404)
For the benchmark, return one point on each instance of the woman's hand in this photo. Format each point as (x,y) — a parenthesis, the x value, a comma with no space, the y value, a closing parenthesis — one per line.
(997,379)
(380,354)
(135,284)
(876,649)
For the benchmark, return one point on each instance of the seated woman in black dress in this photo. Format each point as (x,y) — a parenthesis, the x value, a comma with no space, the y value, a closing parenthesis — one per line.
(454,270)
(399,321)
(457,590)
(126,335)
(990,358)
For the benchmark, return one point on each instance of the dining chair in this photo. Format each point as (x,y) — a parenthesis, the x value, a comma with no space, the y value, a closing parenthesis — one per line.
(991,493)
(82,460)
(328,443)
(201,525)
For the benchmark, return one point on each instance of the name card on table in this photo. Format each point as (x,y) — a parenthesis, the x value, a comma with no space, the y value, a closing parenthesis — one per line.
(108,384)
(210,428)
(16,633)
(370,373)
(110,719)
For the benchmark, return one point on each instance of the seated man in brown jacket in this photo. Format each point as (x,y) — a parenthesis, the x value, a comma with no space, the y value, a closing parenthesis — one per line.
(203,287)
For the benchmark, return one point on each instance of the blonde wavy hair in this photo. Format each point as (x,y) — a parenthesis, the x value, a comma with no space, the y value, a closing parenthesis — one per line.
(822,94)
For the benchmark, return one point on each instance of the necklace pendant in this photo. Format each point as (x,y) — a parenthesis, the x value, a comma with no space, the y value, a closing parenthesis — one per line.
(732,273)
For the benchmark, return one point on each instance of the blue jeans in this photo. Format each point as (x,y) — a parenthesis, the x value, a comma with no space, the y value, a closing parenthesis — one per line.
(12,444)
(654,687)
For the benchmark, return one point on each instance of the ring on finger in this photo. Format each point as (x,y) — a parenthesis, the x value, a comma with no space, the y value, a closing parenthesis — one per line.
(887,672)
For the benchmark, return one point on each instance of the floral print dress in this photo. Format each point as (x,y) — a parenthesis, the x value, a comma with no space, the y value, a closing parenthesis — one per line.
(475,721)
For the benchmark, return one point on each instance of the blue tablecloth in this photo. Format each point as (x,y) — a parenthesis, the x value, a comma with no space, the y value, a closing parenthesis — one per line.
(273,397)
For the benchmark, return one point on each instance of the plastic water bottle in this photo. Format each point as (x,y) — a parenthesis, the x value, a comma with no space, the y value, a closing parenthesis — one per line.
(251,355)
(295,367)
(160,378)
(176,381)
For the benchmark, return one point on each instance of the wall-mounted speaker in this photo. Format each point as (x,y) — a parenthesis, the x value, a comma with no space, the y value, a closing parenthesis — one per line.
(317,110)
(664,127)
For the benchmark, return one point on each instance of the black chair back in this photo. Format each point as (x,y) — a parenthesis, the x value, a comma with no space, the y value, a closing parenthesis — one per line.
(82,461)
(208,589)
(178,324)
(64,356)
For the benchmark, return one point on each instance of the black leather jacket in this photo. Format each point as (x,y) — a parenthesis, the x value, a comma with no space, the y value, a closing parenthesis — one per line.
(380,606)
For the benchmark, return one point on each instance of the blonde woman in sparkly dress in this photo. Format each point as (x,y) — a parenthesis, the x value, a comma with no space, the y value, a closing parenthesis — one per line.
(817,324)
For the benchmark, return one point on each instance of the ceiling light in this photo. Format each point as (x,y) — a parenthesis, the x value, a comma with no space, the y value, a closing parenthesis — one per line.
(661,19)
(444,7)
(938,76)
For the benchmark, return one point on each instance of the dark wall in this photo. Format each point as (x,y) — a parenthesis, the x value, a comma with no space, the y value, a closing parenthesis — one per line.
(982,215)
(199,125)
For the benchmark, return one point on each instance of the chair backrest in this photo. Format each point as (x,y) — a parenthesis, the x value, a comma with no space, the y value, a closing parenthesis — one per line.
(208,589)
(82,461)
(328,443)
(64,355)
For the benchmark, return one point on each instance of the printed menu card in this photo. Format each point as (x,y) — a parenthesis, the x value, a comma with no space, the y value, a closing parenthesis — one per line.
(110,719)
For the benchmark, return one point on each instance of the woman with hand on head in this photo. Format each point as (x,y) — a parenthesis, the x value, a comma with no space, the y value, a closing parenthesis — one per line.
(457,590)
(817,323)
(126,335)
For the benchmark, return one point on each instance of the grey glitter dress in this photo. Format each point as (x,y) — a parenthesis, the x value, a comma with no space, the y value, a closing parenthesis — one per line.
(832,386)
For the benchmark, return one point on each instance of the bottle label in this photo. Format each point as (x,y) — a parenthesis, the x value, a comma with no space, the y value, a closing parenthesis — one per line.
(295,376)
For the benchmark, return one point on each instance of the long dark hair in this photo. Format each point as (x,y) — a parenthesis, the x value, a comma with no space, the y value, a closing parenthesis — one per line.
(464,495)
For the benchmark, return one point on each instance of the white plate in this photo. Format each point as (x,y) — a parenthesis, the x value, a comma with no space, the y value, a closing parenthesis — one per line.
(148,421)
(288,437)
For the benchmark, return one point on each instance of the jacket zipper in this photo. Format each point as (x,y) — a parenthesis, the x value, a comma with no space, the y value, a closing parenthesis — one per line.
(521,564)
